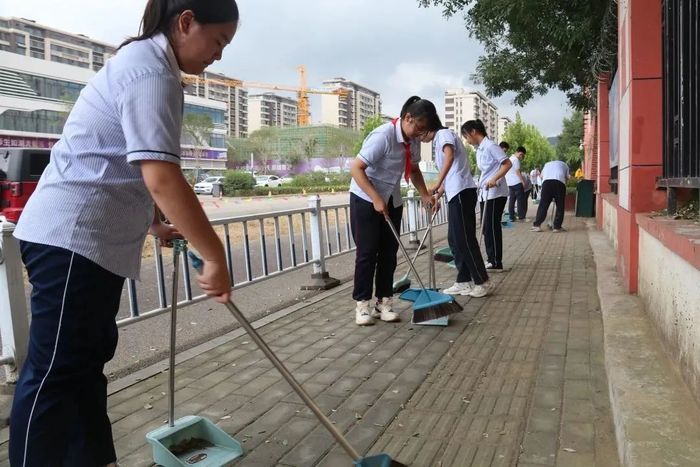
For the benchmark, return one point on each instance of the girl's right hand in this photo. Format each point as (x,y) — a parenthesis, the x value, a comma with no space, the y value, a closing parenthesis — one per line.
(380,207)
(214,280)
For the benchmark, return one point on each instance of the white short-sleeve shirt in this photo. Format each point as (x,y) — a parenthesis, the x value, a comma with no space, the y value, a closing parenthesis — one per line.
(489,158)
(385,155)
(459,177)
(512,175)
(92,199)
(555,170)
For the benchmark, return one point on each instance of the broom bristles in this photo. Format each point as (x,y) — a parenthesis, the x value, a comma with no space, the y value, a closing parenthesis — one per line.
(431,312)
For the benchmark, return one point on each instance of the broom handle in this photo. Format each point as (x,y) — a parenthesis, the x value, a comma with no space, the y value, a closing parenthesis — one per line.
(197,264)
(420,245)
(405,253)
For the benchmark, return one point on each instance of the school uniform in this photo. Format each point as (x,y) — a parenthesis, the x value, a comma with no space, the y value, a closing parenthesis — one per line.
(534,180)
(516,191)
(81,235)
(388,157)
(554,177)
(461,193)
(489,158)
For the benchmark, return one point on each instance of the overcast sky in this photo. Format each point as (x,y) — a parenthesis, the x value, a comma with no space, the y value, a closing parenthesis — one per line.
(390,46)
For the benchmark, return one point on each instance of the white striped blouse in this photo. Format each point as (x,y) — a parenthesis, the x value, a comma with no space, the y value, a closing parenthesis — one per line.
(91,198)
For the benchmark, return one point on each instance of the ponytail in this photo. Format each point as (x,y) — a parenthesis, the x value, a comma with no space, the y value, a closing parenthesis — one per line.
(422,109)
(159,15)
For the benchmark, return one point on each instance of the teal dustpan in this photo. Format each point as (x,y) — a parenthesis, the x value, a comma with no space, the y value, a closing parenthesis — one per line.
(189,440)
(193,441)
(379,460)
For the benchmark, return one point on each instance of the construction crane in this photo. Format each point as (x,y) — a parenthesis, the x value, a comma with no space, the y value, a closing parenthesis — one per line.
(303,113)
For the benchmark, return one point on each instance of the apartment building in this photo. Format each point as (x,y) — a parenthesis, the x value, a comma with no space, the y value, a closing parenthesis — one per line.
(462,105)
(503,124)
(271,110)
(219,87)
(26,37)
(351,110)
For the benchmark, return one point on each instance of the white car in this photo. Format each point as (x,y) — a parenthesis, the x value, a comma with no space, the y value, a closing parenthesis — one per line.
(271,181)
(206,186)
(286,179)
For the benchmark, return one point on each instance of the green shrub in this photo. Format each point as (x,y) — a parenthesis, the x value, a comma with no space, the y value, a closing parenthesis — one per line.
(236,180)
(317,179)
(287,190)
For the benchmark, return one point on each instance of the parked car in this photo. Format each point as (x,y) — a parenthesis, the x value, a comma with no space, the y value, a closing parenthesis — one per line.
(205,187)
(20,170)
(286,179)
(271,181)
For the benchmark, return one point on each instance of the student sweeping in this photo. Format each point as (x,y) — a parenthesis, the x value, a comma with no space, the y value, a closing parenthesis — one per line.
(516,186)
(493,164)
(82,232)
(554,175)
(456,182)
(389,153)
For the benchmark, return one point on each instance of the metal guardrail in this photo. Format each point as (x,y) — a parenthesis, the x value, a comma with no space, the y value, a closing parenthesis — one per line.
(257,247)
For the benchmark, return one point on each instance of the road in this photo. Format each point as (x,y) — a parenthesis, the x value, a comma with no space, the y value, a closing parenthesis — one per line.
(146,342)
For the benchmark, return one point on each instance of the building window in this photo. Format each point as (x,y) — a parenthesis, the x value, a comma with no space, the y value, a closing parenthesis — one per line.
(38,121)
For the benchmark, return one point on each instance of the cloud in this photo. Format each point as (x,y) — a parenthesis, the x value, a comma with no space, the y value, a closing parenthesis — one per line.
(392,46)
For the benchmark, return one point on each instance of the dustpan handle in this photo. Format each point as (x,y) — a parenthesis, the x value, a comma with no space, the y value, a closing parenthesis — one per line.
(405,253)
(179,246)
(198,264)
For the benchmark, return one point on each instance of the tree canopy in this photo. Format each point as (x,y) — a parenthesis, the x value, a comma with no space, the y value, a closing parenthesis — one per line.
(539,151)
(532,47)
(569,147)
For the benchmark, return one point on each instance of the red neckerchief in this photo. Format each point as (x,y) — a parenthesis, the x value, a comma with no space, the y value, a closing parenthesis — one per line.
(409,159)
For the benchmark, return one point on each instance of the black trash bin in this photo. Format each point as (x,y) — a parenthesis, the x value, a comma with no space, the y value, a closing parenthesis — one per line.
(585,199)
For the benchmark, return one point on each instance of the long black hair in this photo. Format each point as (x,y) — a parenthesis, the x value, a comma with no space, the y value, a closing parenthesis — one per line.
(477,125)
(159,14)
(422,109)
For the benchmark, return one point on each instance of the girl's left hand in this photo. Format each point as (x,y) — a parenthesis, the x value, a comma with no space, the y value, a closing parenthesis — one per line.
(493,183)
(165,233)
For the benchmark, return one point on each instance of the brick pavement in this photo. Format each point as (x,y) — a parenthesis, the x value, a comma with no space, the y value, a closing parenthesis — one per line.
(517,378)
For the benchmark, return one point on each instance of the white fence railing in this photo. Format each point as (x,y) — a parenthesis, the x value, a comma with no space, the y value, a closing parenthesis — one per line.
(258,247)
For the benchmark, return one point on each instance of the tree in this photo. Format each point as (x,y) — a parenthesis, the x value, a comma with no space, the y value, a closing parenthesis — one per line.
(569,147)
(539,151)
(309,145)
(532,47)
(367,128)
(198,129)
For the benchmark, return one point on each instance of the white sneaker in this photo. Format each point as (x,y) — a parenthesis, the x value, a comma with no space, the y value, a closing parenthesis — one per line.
(481,290)
(560,229)
(383,309)
(362,315)
(536,229)
(459,288)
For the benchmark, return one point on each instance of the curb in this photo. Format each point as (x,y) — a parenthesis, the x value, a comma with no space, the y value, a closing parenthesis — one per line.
(656,418)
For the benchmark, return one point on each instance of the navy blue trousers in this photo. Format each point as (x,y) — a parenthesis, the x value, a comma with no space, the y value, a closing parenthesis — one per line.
(375,257)
(59,413)
(461,236)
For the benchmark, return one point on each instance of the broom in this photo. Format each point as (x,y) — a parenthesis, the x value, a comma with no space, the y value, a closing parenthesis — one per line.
(377,460)
(405,282)
(429,304)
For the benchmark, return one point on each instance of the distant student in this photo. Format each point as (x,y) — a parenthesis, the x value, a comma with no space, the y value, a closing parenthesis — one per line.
(516,186)
(535,180)
(455,180)
(493,165)
(554,176)
(389,153)
(505,146)
(527,188)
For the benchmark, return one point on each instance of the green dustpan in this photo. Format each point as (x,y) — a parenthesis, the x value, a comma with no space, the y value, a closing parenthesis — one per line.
(174,446)
(189,440)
